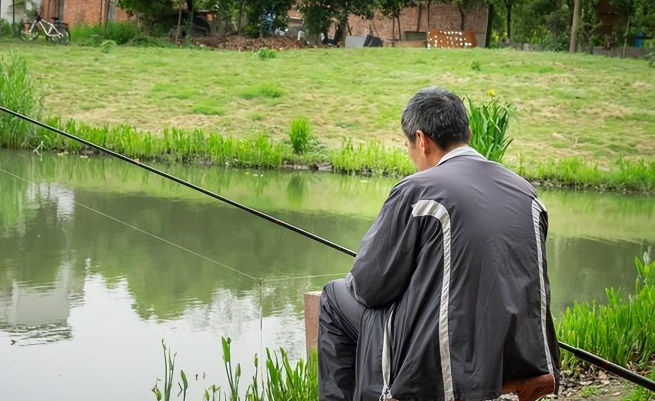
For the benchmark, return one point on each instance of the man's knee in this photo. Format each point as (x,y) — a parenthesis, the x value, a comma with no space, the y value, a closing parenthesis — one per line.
(328,298)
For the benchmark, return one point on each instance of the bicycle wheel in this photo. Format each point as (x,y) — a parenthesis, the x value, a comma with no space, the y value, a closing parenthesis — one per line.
(30,34)
(64,36)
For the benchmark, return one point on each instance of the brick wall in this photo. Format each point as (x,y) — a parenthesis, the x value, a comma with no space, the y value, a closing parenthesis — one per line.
(81,11)
(442,16)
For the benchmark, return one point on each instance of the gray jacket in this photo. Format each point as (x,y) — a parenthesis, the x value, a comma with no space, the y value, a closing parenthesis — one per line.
(453,271)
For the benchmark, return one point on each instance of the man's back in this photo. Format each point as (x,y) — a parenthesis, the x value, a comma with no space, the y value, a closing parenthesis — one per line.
(448,298)
(474,309)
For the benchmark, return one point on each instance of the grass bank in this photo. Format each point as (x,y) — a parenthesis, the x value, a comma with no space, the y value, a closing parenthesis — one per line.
(299,145)
(261,151)
(593,108)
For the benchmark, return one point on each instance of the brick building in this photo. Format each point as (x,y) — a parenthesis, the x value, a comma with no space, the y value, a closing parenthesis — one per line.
(442,16)
(88,12)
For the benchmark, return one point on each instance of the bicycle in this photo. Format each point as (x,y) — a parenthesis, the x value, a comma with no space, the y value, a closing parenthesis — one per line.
(56,32)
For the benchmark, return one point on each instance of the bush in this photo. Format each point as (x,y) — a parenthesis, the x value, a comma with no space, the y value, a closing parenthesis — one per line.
(95,35)
(489,122)
(265,53)
(651,59)
(18,92)
(300,134)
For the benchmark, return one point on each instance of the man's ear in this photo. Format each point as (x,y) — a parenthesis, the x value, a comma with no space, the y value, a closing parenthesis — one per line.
(420,139)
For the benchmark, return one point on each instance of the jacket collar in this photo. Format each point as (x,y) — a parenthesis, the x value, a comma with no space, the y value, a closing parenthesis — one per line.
(460,151)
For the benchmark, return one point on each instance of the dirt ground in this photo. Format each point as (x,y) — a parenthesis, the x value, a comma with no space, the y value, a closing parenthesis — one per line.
(241,43)
(600,387)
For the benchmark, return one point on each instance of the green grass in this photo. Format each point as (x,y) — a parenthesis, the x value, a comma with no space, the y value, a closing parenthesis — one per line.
(93,35)
(569,105)
(263,90)
(620,330)
(573,172)
(300,135)
(284,381)
(640,393)
(258,144)
(18,92)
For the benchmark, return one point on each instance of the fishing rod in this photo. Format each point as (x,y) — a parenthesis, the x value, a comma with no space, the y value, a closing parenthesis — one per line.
(187,184)
(579,353)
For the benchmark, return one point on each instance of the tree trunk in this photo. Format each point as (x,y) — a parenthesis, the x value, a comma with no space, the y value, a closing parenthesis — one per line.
(418,22)
(625,39)
(179,24)
(107,15)
(240,16)
(393,28)
(400,33)
(189,32)
(573,47)
(341,40)
(508,8)
(13,16)
(429,2)
(462,15)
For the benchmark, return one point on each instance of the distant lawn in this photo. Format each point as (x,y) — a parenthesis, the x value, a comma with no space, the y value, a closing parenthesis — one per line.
(589,106)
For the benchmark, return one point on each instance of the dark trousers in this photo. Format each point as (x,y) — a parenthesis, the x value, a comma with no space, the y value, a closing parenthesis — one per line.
(338,332)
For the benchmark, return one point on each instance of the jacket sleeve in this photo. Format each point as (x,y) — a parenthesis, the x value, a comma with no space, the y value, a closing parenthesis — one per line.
(386,259)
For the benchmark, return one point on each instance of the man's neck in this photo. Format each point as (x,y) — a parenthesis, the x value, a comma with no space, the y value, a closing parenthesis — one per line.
(441,153)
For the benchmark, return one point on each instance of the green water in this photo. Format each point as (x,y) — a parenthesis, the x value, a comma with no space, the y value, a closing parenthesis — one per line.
(100,261)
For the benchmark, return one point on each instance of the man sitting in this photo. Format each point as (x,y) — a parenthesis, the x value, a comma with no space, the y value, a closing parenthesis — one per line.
(448,298)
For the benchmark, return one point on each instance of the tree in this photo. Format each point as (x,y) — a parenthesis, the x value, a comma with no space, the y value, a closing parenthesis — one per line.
(392,9)
(321,11)
(153,12)
(508,16)
(463,6)
(637,15)
(574,27)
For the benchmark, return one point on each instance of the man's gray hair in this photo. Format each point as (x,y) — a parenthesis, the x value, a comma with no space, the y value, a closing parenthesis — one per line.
(441,116)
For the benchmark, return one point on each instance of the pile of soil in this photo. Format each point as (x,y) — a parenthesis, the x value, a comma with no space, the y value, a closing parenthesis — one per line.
(242,43)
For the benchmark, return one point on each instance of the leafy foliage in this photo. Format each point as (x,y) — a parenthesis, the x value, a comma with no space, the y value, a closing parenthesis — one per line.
(489,124)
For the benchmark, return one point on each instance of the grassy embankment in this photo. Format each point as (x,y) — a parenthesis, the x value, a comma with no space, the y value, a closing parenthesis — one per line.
(581,121)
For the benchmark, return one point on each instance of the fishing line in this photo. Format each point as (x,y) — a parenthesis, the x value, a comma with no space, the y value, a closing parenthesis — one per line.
(579,353)
(164,240)
(273,279)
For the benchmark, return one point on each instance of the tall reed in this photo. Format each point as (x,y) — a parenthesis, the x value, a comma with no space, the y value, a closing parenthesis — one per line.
(284,380)
(489,123)
(621,330)
(18,92)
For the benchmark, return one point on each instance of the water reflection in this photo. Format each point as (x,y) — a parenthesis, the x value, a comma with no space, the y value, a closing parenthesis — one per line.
(83,283)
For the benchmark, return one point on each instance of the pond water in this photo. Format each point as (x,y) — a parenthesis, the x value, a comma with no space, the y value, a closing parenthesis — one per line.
(100,261)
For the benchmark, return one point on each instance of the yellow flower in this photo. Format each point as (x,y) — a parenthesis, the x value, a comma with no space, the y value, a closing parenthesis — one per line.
(491,93)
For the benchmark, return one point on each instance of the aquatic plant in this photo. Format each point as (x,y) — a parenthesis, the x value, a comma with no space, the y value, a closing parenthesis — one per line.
(489,123)
(573,172)
(300,135)
(620,330)
(284,381)
(371,158)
